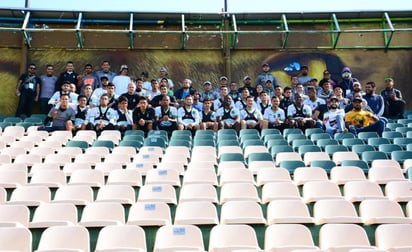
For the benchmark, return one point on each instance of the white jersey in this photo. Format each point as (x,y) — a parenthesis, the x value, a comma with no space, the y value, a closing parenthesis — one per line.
(186,116)
(271,116)
(332,115)
(314,104)
(121,83)
(249,116)
(105,115)
(304,112)
(228,116)
(171,113)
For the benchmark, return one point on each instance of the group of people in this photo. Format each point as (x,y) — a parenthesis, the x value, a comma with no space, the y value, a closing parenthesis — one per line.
(105,100)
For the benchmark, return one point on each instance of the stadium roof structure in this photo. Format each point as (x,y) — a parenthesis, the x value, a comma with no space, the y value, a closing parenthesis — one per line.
(212,24)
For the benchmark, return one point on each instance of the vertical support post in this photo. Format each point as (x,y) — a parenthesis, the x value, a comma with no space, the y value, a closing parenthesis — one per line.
(335,30)
(78,32)
(26,35)
(131,34)
(286,31)
(226,41)
(183,32)
(235,38)
(388,40)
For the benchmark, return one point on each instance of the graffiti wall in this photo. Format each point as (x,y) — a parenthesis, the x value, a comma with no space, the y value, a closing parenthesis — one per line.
(201,65)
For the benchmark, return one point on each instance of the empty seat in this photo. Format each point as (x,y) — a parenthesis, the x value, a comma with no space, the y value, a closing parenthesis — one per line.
(288,237)
(399,191)
(279,190)
(316,190)
(49,178)
(125,177)
(394,237)
(343,237)
(159,176)
(100,214)
(30,195)
(266,175)
(233,237)
(11,178)
(163,193)
(383,175)
(200,176)
(380,211)
(142,167)
(54,214)
(342,174)
(339,156)
(149,214)
(196,213)
(386,163)
(288,211)
(198,192)
(14,216)
(241,212)
(88,177)
(238,191)
(355,191)
(76,194)
(65,238)
(304,174)
(15,239)
(123,194)
(121,238)
(178,237)
(309,157)
(69,168)
(335,211)
(236,176)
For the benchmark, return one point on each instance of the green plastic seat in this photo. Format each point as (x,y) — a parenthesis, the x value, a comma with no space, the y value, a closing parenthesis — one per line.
(301,142)
(289,131)
(78,143)
(349,142)
(308,148)
(291,165)
(342,135)
(267,138)
(359,163)
(136,144)
(104,143)
(369,156)
(178,142)
(202,142)
(310,131)
(259,157)
(134,132)
(327,165)
(391,135)
(317,136)
(330,149)
(155,141)
(364,136)
(13,120)
(267,132)
(401,155)
(323,142)
(224,157)
(388,148)
(292,137)
(360,148)
(403,142)
(376,141)
(280,148)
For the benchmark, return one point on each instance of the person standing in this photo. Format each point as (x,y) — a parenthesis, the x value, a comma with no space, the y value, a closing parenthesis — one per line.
(394,103)
(87,79)
(105,71)
(47,87)
(122,80)
(69,75)
(28,89)
(266,75)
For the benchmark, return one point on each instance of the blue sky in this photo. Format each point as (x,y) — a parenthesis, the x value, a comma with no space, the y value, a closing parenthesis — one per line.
(214,6)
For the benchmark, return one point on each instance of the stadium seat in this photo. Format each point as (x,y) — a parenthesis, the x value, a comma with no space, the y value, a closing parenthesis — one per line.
(327,165)
(14,216)
(149,214)
(31,196)
(302,175)
(343,237)
(12,178)
(279,190)
(340,175)
(394,237)
(51,179)
(159,176)
(196,213)
(376,141)
(241,212)
(233,237)
(381,211)
(236,176)
(162,193)
(288,237)
(123,194)
(238,191)
(178,237)
(119,238)
(198,192)
(310,157)
(401,155)
(364,136)
(355,191)
(15,239)
(67,238)
(94,178)
(359,163)
(316,190)
(339,156)
(80,195)
(100,214)
(383,175)
(399,191)
(349,142)
(288,211)
(361,148)
(271,174)
(335,211)
(54,214)
(125,177)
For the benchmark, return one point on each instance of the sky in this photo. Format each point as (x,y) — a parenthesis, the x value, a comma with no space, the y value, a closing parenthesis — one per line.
(213,6)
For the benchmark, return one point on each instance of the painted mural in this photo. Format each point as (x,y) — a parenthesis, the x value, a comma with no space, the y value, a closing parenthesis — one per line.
(202,65)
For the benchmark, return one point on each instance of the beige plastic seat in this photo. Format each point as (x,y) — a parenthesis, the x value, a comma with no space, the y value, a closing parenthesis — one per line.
(123,194)
(399,191)
(5,159)
(308,157)
(13,152)
(356,191)
(69,168)
(238,191)
(7,140)
(76,194)
(151,158)
(149,214)
(49,178)
(229,149)
(109,137)
(339,156)
(155,150)
(73,152)
(196,213)
(383,175)
(233,237)
(157,176)
(12,178)
(88,158)
(44,167)
(170,164)
(35,139)
(288,237)
(28,159)
(3,195)
(14,167)
(180,157)
(65,238)
(86,138)
(60,159)
(129,150)
(335,211)
(229,165)
(120,158)
(142,167)
(288,211)
(279,190)
(100,214)
(55,145)
(124,177)
(14,216)
(54,214)
(42,134)
(94,178)
(317,190)
(241,212)
(287,156)
(236,176)
(178,238)
(171,150)
(394,237)
(15,131)
(342,174)
(157,192)
(27,145)
(63,134)
(101,151)
(406,164)
(30,195)
(203,149)
(114,133)
(15,239)
(254,149)
(200,176)
(107,167)
(121,238)
(42,151)
(56,139)
(255,166)
(381,211)
(266,175)
(209,164)
(343,237)
(198,192)
(386,163)
(301,175)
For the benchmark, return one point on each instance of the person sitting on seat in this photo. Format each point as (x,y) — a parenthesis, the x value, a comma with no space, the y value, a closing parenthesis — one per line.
(188,118)
(166,116)
(228,116)
(61,117)
(102,117)
(251,118)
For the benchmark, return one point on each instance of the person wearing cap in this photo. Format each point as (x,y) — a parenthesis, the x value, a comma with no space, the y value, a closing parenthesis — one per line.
(327,77)
(87,78)
(274,117)
(299,115)
(359,120)
(186,90)
(268,88)
(222,83)
(313,100)
(122,80)
(208,92)
(247,83)
(394,103)
(347,81)
(314,83)
(375,101)
(143,116)
(103,89)
(65,89)
(68,75)
(364,103)
(28,90)
(163,73)
(250,116)
(357,88)
(105,71)
(266,75)
(228,117)
(334,119)
(304,77)
(102,117)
